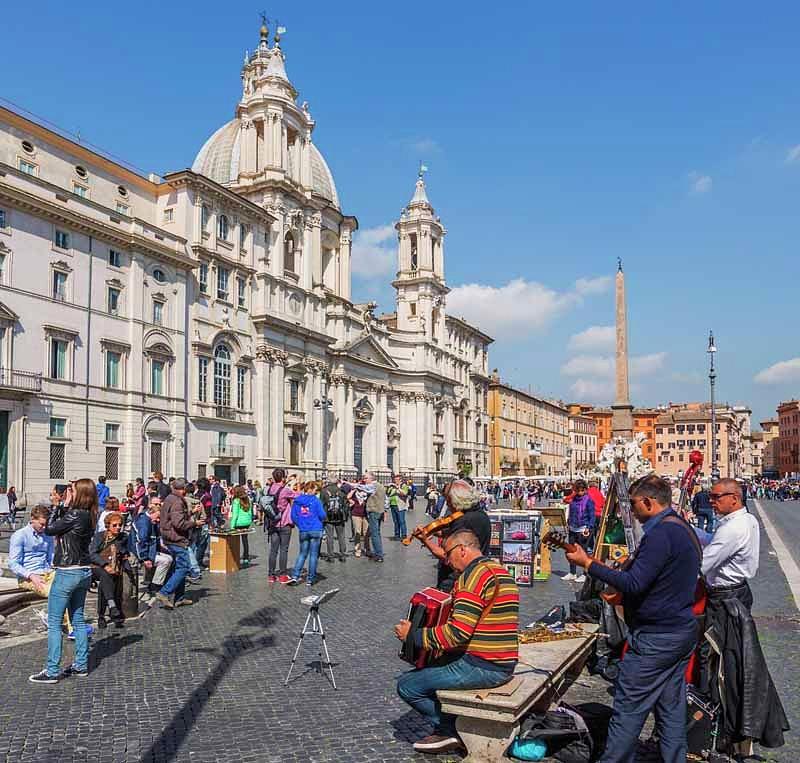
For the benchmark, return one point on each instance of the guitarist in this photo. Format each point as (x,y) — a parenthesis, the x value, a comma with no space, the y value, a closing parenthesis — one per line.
(658,590)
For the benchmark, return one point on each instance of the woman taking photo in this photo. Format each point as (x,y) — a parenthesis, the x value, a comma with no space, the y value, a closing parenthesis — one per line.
(107,553)
(72,525)
(241,518)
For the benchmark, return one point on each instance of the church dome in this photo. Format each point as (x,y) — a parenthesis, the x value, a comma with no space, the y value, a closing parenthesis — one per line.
(218,160)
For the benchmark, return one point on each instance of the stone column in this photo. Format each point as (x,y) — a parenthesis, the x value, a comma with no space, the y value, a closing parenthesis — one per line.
(277,394)
(315,426)
(261,413)
(622,410)
(339,411)
(345,242)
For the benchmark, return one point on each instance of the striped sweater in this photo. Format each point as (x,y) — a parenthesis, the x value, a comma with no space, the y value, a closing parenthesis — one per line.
(483,585)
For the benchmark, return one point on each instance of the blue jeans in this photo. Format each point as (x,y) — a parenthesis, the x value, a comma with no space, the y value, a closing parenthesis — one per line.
(418,688)
(374,519)
(176,583)
(202,540)
(651,677)
(310,542)
(399,519)
(67,593)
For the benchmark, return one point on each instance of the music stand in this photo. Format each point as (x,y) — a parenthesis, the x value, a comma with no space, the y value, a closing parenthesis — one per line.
(313,627)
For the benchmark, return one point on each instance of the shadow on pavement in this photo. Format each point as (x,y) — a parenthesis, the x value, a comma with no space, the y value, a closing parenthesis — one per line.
(235,645)
(111,644)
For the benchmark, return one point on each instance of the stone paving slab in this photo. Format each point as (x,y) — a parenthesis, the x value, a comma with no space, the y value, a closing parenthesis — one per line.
(204,684)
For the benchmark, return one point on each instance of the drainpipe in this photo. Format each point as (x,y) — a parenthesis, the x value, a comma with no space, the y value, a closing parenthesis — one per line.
(88,344)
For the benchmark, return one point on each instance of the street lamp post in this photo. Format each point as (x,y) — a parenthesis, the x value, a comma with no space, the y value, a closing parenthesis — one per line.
(712,378)
(324,404)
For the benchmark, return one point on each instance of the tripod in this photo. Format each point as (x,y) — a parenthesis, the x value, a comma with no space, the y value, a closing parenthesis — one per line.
(313,627)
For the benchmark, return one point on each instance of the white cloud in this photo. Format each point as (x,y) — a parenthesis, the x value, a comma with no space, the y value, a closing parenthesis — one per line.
(700,183)
(374,252)
(593,339)
(691,377)
(519,306)
(793,154)
(778,373)
(595,373)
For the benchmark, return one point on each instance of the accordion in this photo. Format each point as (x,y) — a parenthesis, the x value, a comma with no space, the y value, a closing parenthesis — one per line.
(427,609)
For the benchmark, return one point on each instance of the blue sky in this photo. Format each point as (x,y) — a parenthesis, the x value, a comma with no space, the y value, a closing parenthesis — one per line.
(558,139)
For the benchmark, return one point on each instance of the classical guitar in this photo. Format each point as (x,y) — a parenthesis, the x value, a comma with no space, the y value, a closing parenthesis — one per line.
(554,539)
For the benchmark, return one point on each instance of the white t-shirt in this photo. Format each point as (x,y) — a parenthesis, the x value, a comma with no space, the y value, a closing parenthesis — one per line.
(5,506)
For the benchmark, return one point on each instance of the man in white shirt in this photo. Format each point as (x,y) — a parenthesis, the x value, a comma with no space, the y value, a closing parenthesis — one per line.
(730,556)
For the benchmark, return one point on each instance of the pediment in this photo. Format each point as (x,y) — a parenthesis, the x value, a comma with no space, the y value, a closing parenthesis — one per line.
(367,349)
(7,314)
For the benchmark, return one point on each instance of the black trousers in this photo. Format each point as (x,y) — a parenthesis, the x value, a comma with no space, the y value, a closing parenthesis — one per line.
(110,589)
(585,541)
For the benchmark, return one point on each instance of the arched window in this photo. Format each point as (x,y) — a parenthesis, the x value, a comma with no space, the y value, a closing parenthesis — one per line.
(222,227)
(413,251)
(288,253)
(222,376)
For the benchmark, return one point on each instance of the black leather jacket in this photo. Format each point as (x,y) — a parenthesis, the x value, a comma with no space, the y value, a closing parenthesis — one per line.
(73,532)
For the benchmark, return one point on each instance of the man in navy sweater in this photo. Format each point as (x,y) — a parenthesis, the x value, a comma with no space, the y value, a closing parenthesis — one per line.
(657,590)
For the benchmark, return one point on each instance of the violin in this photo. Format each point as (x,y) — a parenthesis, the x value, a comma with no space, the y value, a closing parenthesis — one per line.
(432,528)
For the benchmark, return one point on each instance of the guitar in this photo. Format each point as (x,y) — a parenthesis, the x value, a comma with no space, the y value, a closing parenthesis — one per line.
(555,539)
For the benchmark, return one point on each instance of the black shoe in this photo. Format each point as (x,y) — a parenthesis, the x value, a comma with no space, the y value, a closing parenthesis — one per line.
(114,613)
(377,558)
(43,678)
(74,670)
(342,558)
(102,623)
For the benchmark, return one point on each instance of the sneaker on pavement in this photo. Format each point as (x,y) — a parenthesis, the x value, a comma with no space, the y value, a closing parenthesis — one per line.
(283,579)
(43,678)
(293,581)
(184,602)
(377,558)
(437,743)
(568,576)
(272,579)
(165,600)
(89,632)
(580,578)
(74,670)
(194,580)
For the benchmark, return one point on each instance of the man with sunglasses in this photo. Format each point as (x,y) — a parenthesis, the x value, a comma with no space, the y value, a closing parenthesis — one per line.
(480,637)
(658,591)
(751,708)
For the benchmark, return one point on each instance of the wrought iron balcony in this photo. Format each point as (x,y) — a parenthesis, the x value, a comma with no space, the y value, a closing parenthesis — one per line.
(227,451)
(27,381)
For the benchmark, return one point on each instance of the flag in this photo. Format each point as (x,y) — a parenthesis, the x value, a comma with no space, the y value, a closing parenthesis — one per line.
(281,30)
(423,168)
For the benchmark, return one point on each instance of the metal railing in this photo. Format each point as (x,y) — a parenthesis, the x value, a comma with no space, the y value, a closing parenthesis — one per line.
(24,380)
(227,451)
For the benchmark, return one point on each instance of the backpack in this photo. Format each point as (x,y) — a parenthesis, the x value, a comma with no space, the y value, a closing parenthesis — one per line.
(269,505)
(335,509)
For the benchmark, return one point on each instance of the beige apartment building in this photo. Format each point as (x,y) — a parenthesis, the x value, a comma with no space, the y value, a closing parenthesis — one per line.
(686,427)
(582,444)
(770,456)
(528,435)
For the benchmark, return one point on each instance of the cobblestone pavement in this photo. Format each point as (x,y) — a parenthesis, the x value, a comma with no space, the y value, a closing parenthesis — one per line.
(205,683)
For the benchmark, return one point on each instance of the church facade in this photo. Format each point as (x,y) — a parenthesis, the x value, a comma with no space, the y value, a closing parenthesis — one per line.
(202,322)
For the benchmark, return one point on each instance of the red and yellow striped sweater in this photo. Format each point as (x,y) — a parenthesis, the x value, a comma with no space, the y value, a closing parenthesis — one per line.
(483,585)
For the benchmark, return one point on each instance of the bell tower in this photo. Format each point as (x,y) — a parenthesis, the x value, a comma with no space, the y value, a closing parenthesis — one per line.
(420,284)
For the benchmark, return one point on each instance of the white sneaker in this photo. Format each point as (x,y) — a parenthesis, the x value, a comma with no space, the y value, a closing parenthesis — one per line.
(568,576)
(580,578)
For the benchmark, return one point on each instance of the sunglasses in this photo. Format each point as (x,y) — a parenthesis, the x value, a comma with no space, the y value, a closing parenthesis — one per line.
(450,551)
(115,524)
(717,496)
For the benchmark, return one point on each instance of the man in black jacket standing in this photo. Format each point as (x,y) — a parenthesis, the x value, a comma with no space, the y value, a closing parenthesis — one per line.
(658,590)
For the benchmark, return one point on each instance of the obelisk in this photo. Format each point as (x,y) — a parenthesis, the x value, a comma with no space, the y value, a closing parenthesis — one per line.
(622,410)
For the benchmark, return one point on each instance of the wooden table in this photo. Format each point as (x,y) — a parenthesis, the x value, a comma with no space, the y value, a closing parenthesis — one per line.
(488,726)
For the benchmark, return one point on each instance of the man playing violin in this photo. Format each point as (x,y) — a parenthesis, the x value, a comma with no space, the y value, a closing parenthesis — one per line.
(460,496)
(658,591)
(480,637)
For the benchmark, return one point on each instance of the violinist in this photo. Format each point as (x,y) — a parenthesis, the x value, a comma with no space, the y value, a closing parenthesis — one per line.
(460,496)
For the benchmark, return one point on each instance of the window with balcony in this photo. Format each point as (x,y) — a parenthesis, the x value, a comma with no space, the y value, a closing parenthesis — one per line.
(202,379)
(223,277)
(114,258)
(157,377)
(202,278)
(222,376)
(61,239)
(58,358)
(113,300)
(113,369)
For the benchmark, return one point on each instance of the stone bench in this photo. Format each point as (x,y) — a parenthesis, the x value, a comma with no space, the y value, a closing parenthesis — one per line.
(489,719)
